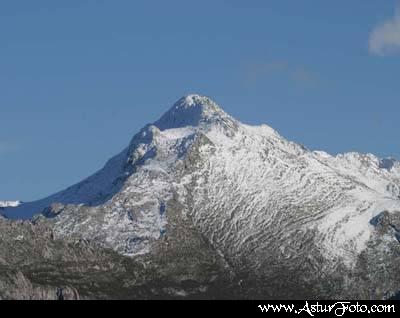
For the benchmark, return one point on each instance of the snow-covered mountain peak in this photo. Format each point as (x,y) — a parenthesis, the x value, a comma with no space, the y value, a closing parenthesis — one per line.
(241,185)
(264,203)
(192,100)
(195,111)
(196,101)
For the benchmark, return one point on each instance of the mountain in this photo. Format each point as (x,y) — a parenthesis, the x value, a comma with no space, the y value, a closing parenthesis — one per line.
(208,202)
(6,204)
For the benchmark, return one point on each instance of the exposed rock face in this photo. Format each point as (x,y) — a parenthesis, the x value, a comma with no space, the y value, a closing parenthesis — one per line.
(201,205)
(36,265)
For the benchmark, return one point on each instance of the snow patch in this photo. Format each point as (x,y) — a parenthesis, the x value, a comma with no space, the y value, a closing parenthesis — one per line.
(6,204)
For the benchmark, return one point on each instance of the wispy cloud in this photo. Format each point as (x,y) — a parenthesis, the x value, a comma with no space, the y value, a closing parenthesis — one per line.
(7,147)
(305,77)
(296,74)
(385,38)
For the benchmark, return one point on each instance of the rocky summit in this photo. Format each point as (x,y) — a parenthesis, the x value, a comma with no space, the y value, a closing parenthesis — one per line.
(200,205)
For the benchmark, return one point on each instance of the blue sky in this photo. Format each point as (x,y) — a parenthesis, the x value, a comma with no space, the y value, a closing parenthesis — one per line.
(79,78)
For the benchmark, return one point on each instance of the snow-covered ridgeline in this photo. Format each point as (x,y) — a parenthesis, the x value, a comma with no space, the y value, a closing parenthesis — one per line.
(6,204)
(247,187)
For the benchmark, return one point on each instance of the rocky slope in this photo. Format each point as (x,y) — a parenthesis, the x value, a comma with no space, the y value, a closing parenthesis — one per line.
(209,204)
(35,264)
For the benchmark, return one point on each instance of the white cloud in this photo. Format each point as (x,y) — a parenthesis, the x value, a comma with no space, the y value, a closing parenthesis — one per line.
(385,38)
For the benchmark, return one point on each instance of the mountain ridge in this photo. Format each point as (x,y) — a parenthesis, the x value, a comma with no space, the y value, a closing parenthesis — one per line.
(6,204)
(191,110)
(266,210)
(247,190)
